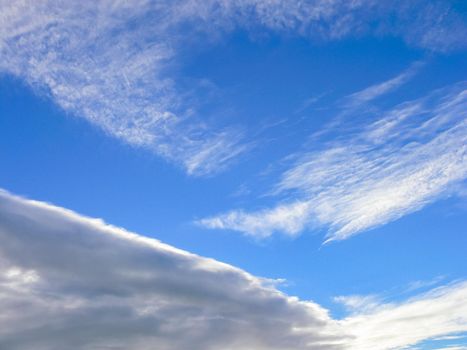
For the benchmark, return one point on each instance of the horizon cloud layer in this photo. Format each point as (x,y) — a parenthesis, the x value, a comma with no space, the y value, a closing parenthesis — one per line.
(76,282)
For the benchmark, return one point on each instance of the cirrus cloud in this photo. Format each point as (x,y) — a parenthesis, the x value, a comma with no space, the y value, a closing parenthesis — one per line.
(410,156)
(112,62)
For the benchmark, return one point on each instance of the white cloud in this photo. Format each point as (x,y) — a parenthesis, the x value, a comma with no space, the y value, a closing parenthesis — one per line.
(108,61)
(441,311)
(289,219)
(356,304)
(372,92)
(68,281)
(433,25)
(412,155)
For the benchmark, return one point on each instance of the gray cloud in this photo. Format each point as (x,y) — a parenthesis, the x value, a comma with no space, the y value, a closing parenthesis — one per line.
(67,281)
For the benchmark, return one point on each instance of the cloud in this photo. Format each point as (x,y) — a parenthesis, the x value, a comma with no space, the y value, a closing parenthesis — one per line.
(75,282)
(356,304)
(435,26)
(372,92)
(68,281)
(108,63)
(440,311)
(410,156)
(288,218)
(112,62)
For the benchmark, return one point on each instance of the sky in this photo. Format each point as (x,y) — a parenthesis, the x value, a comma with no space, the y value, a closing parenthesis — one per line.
(233,175)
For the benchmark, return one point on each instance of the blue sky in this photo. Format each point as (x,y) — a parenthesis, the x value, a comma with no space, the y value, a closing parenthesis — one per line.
(321,145)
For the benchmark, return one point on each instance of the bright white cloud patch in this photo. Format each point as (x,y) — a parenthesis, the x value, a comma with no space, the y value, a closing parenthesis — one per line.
(72,282)
(440,311)
(406,158)
(108,61)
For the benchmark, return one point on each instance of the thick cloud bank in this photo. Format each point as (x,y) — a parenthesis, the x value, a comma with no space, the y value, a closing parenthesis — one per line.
(70,282)
(76,283)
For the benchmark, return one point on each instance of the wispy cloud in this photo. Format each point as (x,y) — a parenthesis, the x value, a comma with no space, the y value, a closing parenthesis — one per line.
(405,159)
(372,92)
(396,326)
(112,62)
(435,25)
(355,304)
(108,62)
(417,285)
(83,284)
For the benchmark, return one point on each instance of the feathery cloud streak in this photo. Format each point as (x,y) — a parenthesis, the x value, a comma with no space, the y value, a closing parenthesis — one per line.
(424,317)
(370,93)
(82,284)
(109,61)
(434,26)
(407,158)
